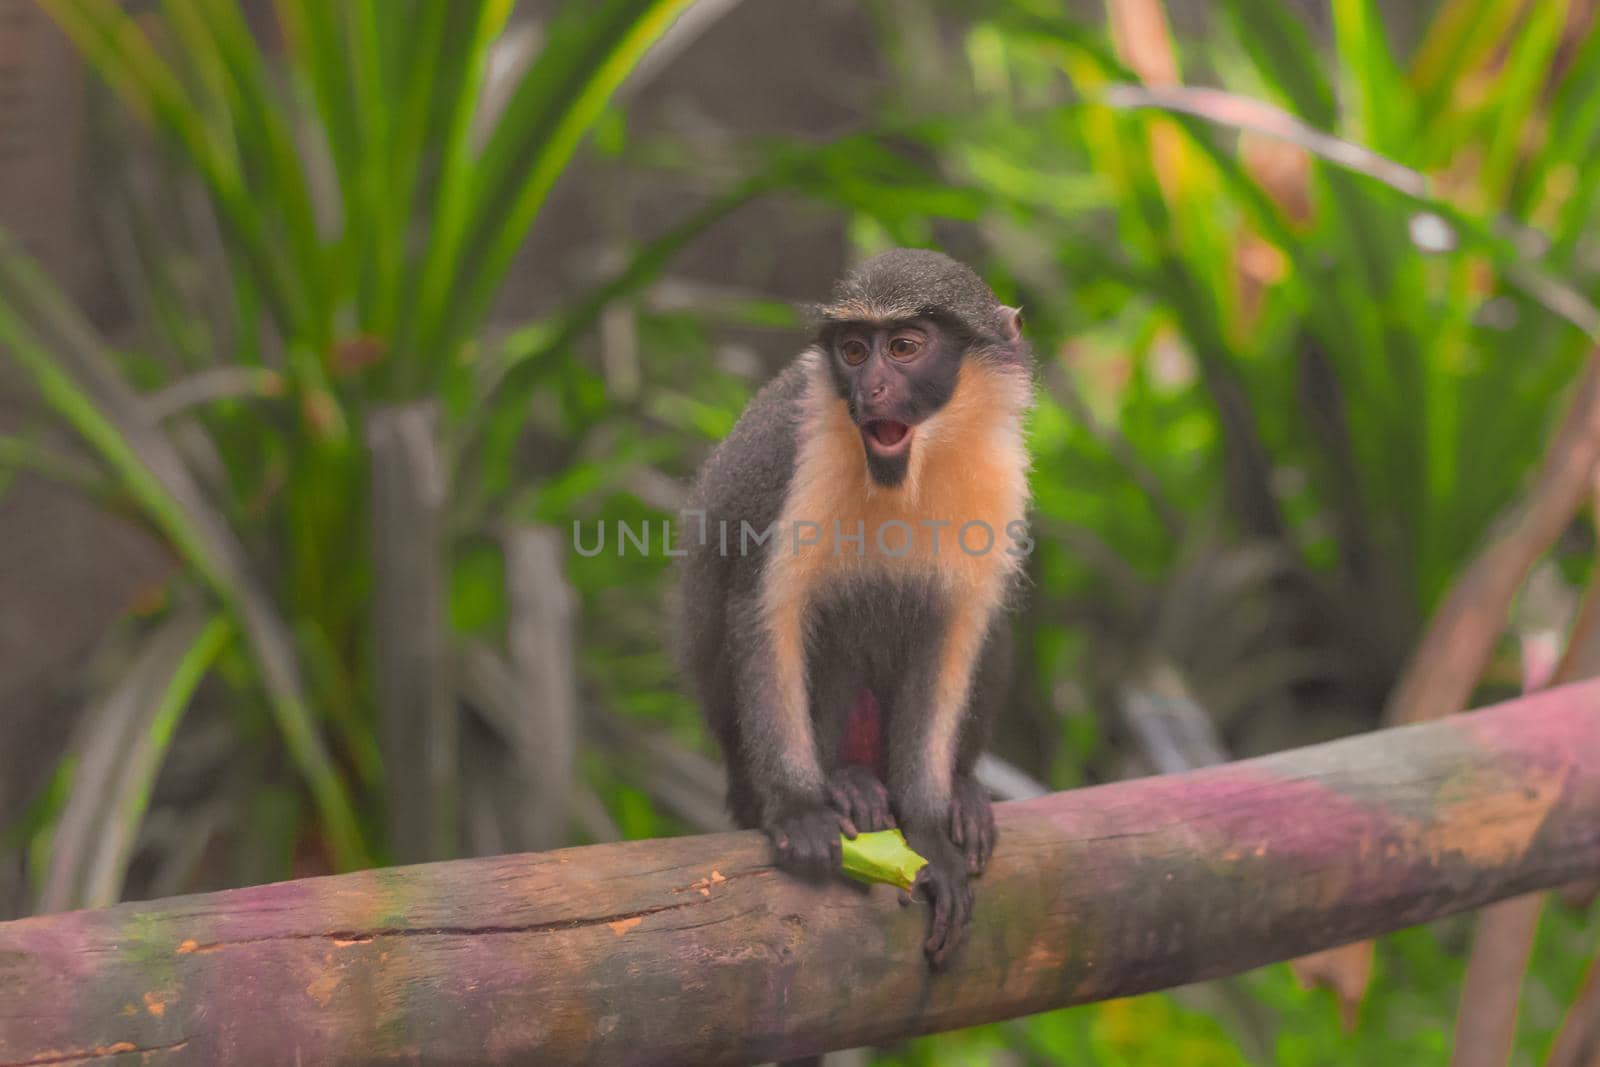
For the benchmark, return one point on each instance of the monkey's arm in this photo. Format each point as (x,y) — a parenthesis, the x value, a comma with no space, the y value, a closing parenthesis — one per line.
(925,727)
(778,745)
(972,825)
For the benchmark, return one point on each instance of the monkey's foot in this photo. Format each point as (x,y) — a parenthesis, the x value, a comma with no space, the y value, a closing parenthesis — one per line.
(945,884)
(972,826)
(806,838)
(861,798)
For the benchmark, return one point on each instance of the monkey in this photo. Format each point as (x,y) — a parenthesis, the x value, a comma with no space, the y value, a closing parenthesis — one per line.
(841,607)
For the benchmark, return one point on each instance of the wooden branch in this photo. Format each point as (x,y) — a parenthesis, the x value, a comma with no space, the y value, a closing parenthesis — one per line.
(1502,944)
(1486,1024)
(542,615)
(1447,663)
(696,951)
(1578,1043)
(1445,666)
(419,731)
(1174,732)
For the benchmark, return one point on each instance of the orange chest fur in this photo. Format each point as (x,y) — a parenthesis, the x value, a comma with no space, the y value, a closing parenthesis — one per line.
(956,517)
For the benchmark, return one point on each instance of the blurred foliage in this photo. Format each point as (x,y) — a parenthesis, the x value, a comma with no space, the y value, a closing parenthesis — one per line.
(1279,391)
(1299,340)
(367,193)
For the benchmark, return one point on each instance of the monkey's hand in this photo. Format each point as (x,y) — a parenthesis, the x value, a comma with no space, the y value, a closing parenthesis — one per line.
(856,793)
(944,884)
(972,826)
(806,837)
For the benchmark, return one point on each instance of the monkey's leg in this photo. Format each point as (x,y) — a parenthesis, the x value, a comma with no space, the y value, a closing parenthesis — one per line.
(858,795)
(855,786)
(848,724)
(778,745)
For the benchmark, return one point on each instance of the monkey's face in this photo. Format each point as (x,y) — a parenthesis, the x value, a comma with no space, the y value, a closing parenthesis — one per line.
(893,376)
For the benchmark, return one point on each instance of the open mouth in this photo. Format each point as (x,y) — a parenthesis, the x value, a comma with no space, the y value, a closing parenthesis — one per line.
(886,437)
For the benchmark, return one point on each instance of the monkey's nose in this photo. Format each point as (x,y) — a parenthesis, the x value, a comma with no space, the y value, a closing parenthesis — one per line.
(879,392)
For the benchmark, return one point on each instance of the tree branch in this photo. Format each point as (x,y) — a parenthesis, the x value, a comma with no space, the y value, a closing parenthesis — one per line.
(697,951)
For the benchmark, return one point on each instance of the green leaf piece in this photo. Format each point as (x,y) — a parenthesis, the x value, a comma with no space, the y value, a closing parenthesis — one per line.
(882,856)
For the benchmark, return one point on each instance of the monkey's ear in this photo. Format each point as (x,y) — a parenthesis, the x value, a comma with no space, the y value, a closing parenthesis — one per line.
(1011,322)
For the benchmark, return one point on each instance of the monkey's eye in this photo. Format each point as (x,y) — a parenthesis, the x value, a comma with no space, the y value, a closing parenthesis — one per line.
(854,353)
(904,347)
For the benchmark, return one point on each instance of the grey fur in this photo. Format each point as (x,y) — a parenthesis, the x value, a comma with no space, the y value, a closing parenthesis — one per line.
(907,282)
(879,635)
(883,635)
